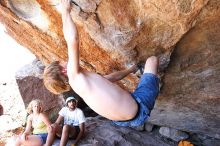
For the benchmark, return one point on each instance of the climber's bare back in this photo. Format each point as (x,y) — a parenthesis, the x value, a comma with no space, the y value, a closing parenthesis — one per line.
(104,97)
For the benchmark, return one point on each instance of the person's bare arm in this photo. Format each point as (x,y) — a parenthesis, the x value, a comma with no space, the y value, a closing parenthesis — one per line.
(55,126)
(46,121)
(116,76)
(28,128)
(58,121)
(82,130)
(71,37)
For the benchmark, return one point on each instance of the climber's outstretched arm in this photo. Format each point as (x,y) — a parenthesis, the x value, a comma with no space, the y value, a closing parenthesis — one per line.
(116,76)
(71,37)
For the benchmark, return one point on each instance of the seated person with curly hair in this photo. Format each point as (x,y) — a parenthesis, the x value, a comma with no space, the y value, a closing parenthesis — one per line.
(39,122)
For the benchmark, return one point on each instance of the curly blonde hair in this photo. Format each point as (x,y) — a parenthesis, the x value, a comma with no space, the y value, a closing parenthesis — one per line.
(54,80)
(30,106)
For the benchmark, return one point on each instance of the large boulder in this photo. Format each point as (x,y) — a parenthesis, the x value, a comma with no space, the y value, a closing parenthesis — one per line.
(190,96)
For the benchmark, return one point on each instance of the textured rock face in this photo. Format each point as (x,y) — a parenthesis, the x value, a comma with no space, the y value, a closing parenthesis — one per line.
(116,34)
(190,96)
(102,132)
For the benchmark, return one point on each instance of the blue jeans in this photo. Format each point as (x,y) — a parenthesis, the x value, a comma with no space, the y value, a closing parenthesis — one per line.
(145,95)
(43,137)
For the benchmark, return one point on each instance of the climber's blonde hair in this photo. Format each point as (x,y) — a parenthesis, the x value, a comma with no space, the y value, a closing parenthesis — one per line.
(54,80)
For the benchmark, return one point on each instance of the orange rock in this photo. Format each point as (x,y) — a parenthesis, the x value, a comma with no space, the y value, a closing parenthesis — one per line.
(185,143)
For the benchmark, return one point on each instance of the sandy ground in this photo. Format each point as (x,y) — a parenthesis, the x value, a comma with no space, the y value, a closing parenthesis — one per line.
(14,111)
(12,57)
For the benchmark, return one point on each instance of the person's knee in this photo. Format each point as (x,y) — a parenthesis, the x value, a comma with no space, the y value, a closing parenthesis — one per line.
(52,131)
(66,128)
(151,65)
(152,60)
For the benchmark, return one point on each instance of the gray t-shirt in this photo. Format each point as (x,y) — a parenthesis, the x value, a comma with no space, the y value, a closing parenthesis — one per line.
(74,118)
